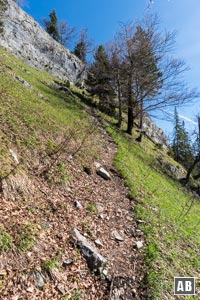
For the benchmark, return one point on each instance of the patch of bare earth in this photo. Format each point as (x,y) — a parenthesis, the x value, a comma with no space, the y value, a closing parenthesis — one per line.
(54,268)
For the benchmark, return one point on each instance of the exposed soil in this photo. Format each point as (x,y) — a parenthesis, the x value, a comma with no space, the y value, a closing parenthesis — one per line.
(53,211)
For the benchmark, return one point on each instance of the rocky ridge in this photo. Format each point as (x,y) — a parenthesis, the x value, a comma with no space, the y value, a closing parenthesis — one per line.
(27,40)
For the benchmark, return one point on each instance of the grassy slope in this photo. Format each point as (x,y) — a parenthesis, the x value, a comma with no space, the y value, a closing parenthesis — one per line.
(35,121)
(171,214)
(32,124)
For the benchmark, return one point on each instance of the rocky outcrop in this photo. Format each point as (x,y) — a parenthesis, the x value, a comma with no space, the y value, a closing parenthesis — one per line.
(26,39)
(155,133)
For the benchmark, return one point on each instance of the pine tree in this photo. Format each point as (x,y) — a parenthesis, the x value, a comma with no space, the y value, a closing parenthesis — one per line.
(84,45)
(100,80)
(52,26)
(80,51)
(181,145)
(144,73)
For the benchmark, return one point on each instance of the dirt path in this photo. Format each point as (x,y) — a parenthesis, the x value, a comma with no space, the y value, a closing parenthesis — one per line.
(106,212)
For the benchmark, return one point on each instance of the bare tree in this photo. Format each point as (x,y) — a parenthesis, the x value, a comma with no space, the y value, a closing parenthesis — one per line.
(154,78)
(66,33)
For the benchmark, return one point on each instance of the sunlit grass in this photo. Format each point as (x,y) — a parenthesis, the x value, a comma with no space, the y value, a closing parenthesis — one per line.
(170,213)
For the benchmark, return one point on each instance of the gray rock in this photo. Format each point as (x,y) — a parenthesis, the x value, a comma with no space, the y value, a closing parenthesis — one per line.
(68,262)
(155,133)
(115,234)
(97,165)
(14,156)
(60,289)
(139,244)
(39,278)
(103,173)
(105,272)
(140,221)
(23,81)
(26,39)
(98,243)
(78,205)
(94,260)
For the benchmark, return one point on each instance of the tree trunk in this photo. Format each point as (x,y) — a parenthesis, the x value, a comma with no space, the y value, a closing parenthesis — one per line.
(120,103)
(139,139)
(191,169)
(130,107)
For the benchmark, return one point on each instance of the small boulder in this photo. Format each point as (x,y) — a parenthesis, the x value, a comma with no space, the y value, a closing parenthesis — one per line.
(60,289)
(94,260)
(78,205)
(39,279)
(97,165)
(139,244)
(103,173)
(68,262)
(14,156)
(115,234)
(98,243)
(23,81)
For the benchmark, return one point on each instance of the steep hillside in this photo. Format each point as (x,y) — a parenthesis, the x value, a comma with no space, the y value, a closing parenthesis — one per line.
(52,155)
(169,214)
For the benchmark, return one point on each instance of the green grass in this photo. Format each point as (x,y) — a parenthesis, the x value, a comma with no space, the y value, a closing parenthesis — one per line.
(91,207)
(6,240)
(170,213)
(36,120)
(51,264)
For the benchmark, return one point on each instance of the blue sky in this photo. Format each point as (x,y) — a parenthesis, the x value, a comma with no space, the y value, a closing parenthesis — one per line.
(102,19)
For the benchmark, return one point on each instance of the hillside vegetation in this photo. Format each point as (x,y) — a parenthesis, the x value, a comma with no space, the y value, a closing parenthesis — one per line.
(47,137)
(169,214)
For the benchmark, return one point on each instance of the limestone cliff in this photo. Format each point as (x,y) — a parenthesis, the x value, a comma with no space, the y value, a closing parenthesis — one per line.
(26,39)
(155,133)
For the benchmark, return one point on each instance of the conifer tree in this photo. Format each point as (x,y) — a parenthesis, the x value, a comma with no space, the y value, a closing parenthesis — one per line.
(181,142)
(100,80)
(51,26)
(83,46)
(80,51)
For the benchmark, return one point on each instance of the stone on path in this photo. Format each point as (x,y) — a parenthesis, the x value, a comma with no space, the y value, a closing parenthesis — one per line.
(115,234)
(103,173)
(78,205)
(139,244)
(95,261)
